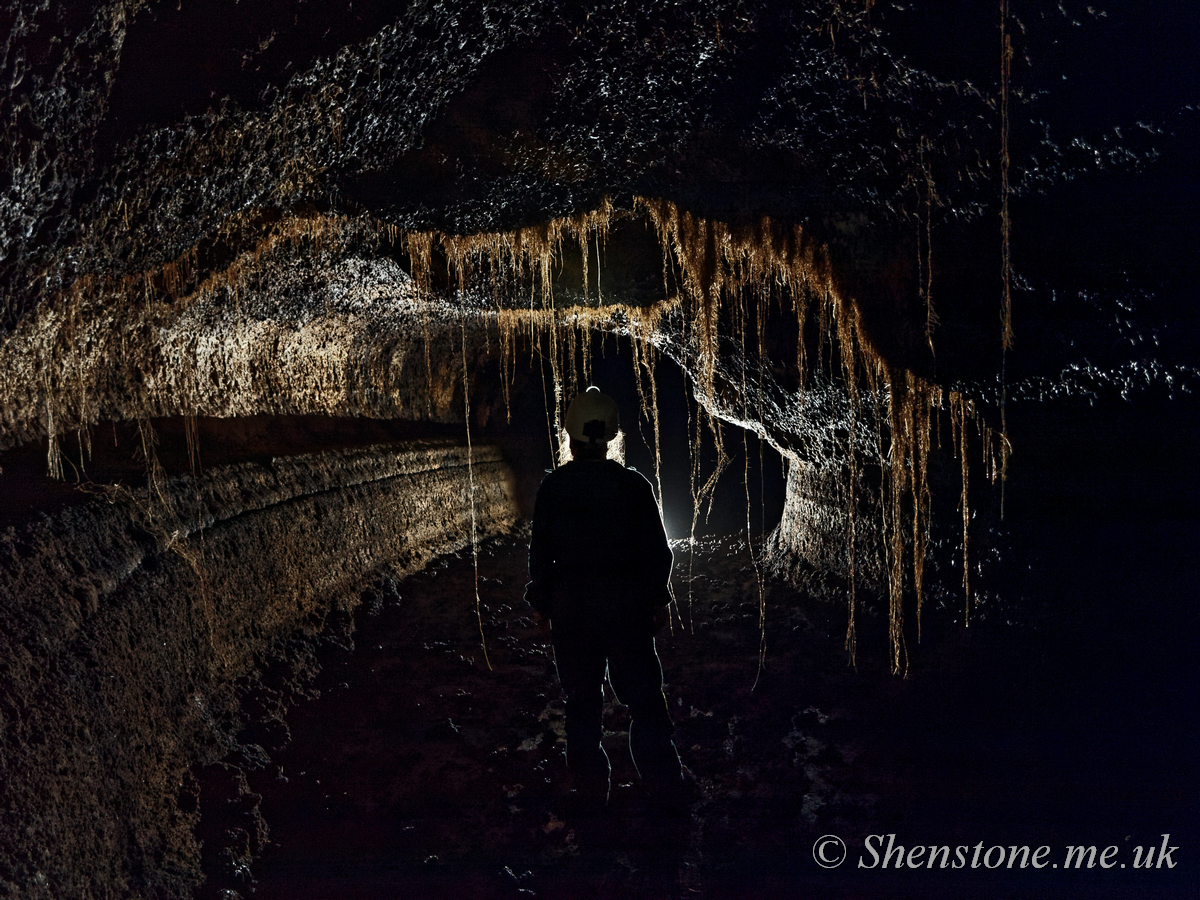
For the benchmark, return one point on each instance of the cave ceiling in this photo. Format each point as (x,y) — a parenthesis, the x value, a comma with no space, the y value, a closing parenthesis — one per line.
(141,131)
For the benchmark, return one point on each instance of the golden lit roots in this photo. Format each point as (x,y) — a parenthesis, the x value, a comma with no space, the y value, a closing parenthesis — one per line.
(741,269)
(75,338)
(726,280)
(471,489)
(723,273)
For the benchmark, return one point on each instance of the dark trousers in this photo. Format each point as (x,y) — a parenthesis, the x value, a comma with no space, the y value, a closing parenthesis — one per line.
(583,653)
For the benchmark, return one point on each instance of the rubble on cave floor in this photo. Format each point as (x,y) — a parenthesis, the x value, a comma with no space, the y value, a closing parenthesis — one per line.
(419,766)
(420,772)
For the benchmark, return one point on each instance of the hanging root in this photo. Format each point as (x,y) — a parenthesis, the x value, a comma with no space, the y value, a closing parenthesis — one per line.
(471,491)
(723,272)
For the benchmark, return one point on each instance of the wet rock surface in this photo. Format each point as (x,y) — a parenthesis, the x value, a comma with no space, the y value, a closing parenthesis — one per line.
(420,772)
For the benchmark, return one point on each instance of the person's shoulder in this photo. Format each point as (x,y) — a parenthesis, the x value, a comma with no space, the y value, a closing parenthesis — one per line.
(632,476)
(550,479)
(630,471)
(564,474)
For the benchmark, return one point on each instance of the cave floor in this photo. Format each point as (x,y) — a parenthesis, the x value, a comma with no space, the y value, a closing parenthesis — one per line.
(418,772)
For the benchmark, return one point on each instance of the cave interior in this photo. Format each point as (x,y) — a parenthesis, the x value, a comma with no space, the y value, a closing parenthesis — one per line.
(899,305)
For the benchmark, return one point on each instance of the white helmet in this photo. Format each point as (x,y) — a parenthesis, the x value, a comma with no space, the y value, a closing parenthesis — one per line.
(592,417)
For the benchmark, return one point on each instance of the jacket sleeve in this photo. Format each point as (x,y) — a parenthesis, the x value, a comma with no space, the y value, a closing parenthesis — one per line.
(655,550)
(539,590)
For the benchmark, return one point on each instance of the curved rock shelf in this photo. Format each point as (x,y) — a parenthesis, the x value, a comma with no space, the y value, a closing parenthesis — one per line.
(128,622)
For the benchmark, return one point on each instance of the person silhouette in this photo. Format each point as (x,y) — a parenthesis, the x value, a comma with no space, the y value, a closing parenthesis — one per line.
(599,570)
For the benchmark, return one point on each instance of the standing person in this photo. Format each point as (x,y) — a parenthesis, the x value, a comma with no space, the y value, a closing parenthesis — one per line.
(599,566)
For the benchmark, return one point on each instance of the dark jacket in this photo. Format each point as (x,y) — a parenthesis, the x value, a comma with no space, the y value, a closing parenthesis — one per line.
(598,543)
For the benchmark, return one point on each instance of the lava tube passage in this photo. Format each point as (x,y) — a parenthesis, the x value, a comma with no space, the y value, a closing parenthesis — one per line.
(725,448)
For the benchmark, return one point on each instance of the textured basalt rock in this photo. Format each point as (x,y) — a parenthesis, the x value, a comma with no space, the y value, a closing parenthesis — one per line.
(349,209)
(129,624)
(351,341)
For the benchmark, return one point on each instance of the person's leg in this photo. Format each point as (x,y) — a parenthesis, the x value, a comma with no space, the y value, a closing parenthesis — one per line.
(581,671)
(635,673)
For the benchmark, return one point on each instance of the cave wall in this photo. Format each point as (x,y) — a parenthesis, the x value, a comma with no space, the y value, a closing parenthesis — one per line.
(346,337)
(131,625)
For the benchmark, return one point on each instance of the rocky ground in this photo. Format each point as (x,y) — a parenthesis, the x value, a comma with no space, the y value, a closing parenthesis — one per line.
(419,768)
